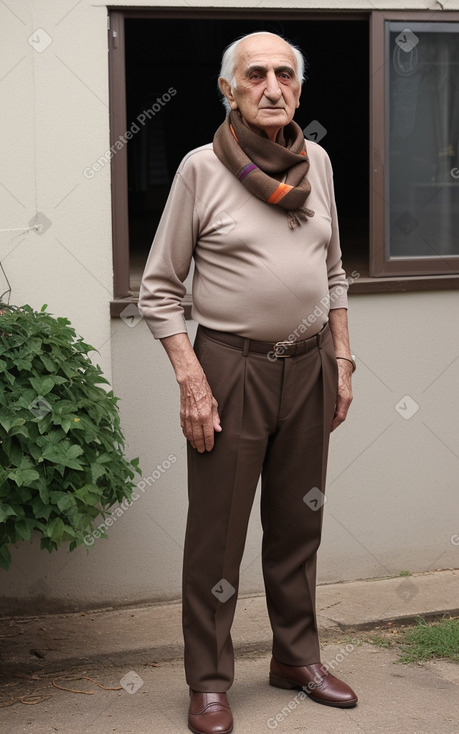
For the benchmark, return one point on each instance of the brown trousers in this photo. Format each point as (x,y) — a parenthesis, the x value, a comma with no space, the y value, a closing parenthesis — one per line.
(276,417)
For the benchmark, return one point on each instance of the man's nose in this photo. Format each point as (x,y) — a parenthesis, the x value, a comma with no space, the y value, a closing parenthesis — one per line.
(273,90)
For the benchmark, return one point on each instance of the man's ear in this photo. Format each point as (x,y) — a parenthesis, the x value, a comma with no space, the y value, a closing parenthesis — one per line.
(225,88)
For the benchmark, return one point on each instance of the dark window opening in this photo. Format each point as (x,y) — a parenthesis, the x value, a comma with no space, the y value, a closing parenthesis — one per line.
(171,94)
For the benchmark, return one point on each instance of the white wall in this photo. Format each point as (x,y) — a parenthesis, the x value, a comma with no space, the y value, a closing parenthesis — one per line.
(54,122)
(392,492)
(392,489)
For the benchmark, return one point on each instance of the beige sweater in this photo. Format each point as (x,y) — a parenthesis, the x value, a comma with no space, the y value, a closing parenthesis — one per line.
(253,275)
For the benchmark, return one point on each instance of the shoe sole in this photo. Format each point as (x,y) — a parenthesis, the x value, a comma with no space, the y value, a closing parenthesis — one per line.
(285,683)
(196,731)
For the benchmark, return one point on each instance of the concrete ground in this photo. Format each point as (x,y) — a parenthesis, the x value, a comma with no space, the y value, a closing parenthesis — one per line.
(135,652)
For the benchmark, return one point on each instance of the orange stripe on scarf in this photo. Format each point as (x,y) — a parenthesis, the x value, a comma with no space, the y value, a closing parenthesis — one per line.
(279,193)
(234,133)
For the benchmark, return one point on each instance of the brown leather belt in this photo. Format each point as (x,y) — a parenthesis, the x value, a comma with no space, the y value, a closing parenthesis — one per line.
(279,349)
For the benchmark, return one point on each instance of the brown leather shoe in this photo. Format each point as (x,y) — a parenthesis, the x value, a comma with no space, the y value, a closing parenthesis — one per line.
(209,713)
(315,680)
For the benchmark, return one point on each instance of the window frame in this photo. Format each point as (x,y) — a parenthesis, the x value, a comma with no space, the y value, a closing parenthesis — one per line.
(435,268)
(383,276)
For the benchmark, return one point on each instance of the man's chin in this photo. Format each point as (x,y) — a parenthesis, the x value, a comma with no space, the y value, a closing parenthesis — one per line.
(268,127)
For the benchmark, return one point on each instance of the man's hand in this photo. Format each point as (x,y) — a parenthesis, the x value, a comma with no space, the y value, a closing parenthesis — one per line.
(198,412)
(199,417)
(340,334)
(344,396)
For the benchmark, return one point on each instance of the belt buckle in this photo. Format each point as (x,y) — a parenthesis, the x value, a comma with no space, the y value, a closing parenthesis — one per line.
(280,349)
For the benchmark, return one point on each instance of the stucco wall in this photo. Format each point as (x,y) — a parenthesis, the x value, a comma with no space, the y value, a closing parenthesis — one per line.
(392,491)
(54,119)
(392,488)
(392,485)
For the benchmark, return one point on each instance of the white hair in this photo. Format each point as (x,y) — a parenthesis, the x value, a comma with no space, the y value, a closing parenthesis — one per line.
(228,66)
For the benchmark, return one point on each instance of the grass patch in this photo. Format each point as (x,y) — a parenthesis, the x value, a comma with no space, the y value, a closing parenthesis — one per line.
(427,641)
(380,641)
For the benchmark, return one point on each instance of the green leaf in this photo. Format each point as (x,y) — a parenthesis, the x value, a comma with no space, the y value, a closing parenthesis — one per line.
(66,423)
(35,345)
(97,470)
(54,436)
(58,455)
(3,475)
(49,364)
(104,458)
(23,364)
(44,493)
(89,494)
(41,510)
(26,476)
(66,502)
(19,430)
(74,451)
(47,544)
(24,528)
(6,511)
(15,453)
(24,494)
(42,385)
(5,557)
(10,421)
(56,529)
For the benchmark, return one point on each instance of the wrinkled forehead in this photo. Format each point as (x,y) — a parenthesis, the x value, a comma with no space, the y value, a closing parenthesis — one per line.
(267,51)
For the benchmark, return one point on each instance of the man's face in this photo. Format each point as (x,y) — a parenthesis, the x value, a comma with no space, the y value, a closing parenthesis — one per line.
(267,90)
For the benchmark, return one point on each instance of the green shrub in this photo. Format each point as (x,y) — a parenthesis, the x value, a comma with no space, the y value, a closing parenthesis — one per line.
(62,459)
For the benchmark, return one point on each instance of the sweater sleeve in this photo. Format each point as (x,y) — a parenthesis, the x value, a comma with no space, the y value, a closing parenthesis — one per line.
(168,263)
(337,281)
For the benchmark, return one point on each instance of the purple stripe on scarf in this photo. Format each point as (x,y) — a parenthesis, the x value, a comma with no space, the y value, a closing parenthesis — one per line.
(246,170)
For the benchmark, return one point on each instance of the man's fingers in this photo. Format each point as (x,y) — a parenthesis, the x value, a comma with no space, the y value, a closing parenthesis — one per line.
(199,417)
(208,437)
(215,416)
(200,434)
(341,410)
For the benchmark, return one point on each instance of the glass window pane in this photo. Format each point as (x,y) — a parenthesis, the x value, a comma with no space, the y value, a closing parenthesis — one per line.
(422,123)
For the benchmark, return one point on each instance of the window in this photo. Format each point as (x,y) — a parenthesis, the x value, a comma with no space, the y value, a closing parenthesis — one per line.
(397,232)
(418,140)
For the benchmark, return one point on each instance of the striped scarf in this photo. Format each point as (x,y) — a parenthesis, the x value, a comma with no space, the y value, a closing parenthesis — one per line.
(273,172)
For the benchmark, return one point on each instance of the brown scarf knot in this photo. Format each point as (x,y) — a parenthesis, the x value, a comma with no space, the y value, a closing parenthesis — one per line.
(274,172)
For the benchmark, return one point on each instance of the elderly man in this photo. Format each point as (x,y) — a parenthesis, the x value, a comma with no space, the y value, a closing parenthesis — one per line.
(270,373)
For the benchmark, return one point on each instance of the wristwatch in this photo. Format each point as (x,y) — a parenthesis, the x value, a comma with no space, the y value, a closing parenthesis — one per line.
(351,360)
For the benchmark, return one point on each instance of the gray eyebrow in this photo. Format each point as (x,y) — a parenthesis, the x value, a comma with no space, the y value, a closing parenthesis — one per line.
(278,69)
